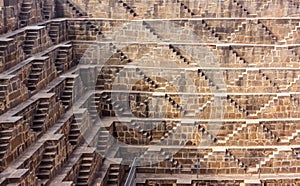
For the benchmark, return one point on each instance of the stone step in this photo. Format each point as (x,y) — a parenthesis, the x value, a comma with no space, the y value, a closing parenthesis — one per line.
(45,167)
(3,147)
(45,174)
(5,139)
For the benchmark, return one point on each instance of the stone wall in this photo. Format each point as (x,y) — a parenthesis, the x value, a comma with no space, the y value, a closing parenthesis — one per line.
(17,14)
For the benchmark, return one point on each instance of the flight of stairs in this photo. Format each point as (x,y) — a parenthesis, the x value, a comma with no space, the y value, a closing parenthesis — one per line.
(85,169)
(47,163)
(46,11)
(67,94)
(3,48)
(38,123)
(30,39)
(128,8)
(5,137)
(35,74)
(75,10)
(75,133)
(3,92)
(25,13)
(113,175)
(54,32)
(93,107)
(61,60)
(102,141)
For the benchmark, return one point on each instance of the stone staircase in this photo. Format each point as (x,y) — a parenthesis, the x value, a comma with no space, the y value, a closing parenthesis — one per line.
(264,6)
(145,133)
(291,137)
(123,57)
(169,157)
(273,155)
(38,122)
(3,92)
(294,82)
(270,102)
(147,79)
(67,94)
(239,79)
(113,175)
(5,137)
(244,10)
(25,14)
(237,106)
(29,42)
(93,107)
(75,135)
(61,61)
(267,30)
(74,10)
(150,29)
(94,28)
(236,159)
(186,8)
(170,132)
(128,8)
(270,133)
(205,132)
(35,74)
(3,49)
(85,169)
(244,125)
(47,164)
(47,10)
(294,3)
(237,56)
(239,28)
(210,29)
(179,55)
(173,103)
(102,142)
(54,32)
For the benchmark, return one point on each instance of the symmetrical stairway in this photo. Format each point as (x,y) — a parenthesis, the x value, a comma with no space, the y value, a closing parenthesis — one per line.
(25,13)
(38,123)
(35,74)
